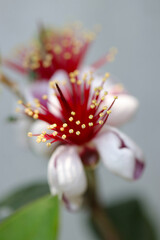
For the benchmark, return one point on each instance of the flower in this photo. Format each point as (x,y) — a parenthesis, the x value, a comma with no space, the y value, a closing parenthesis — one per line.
(77,116)
(53,49)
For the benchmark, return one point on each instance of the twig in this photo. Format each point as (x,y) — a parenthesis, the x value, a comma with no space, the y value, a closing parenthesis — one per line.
(98,213)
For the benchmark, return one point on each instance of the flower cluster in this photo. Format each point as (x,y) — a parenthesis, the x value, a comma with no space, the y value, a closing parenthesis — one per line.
(74,123)
(53,49)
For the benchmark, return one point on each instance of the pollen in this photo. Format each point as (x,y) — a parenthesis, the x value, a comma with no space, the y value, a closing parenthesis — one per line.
(83,126)
(38,140)
(109,111)
(19,102)
(29,134)
(105,108)
(73,113)
(100,122)
(71,119)
(64,136)
(62,129)
(35,116)
(78,133)
(90,116)
(107,75)
(92,106)
(44,140)
(73,80)
(71,130)
(48,144)
(65,125)
(115,97)
(55,133)
(17,110)
(44,97)
(101,114)
(78,122)
(90,124)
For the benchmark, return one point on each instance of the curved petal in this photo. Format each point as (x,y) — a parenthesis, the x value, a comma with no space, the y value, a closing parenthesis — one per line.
(54,105)
(120,154)
(40,148)
(65,173)
(37,90)
(123,110)
(73,203)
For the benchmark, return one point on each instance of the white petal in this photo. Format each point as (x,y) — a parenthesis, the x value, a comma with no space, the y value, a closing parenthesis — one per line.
(36,90)
(66,173)
(54,105)
(120,154)
(123,109)
(73,203)
(40,148)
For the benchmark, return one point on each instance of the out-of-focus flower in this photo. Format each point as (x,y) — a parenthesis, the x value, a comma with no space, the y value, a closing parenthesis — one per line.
(53,49)
(77,114)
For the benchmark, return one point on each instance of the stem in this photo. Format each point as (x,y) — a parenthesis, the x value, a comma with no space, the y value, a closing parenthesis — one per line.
(11,85)
(98,213)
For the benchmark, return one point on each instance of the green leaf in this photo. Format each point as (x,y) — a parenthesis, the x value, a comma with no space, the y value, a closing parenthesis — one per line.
(130,220)
(25,195)
(12,119)
(37,221)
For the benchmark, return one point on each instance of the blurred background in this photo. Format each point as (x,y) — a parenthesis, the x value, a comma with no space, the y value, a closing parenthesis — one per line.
(134,28)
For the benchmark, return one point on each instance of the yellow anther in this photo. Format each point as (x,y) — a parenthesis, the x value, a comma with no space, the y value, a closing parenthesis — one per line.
(90,124)
(35,116)
(67,55)
(38,105)
(94,101)
(36,111)
(65,125)
(78,122)
(109,111)
(96,93)
(83,126)
(107,75)
(71,119)
(64,136)
(92,106)
(44,140)
(44,97)
(36,100)
(73,113)
(90,116)
(100,122)
(19,102)
(71,130)
(43,132)
(55,133)
(101,114)
(105,93)
(62,129)
(78,133)
(30,113)
(57,49)
(38,140)
(104,108)
(28,104)
(102,98)
(18,110)
(29,134)
(49,127)
(48,144)
(71,74)
(115,97)
(73,80)
(79,82)
(76,72)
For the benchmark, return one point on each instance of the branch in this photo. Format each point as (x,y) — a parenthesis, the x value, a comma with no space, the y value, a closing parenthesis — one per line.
(98,214)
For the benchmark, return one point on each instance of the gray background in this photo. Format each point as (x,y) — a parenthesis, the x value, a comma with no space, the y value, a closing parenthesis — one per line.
(134,28)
